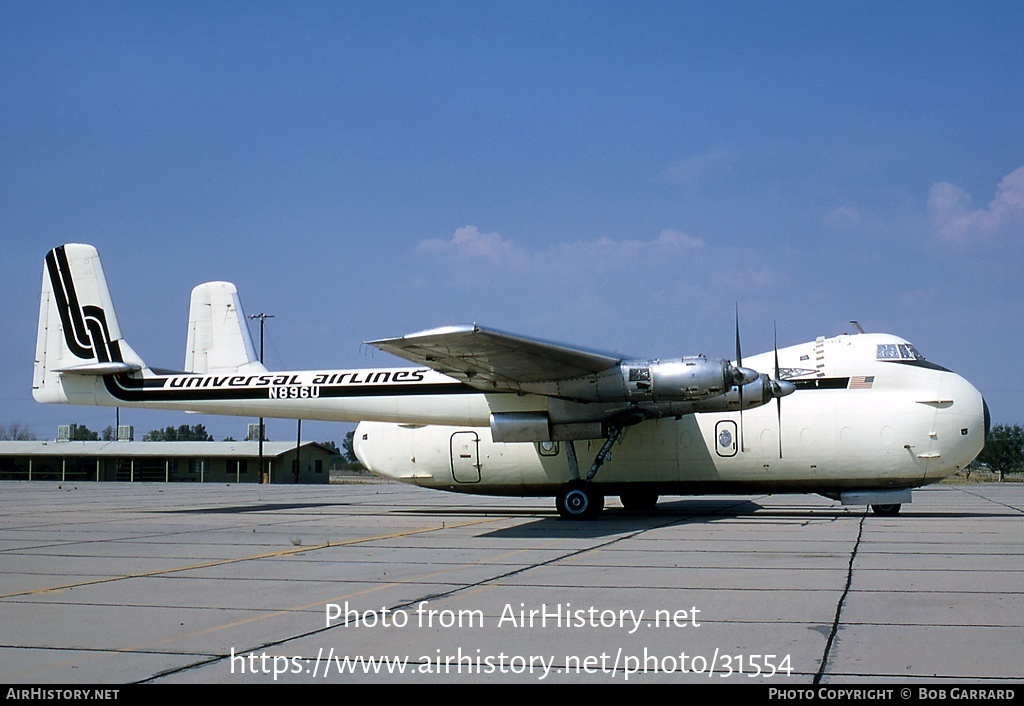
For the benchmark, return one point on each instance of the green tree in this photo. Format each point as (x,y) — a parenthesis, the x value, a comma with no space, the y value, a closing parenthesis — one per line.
(184,432)
(1004,449)
(80,432)
(348,449)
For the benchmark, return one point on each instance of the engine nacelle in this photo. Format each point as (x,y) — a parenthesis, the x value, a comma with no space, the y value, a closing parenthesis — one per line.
(637,381)
(682,380)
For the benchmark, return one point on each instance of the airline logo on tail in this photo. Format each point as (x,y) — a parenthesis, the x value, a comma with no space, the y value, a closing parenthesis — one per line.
(85,327)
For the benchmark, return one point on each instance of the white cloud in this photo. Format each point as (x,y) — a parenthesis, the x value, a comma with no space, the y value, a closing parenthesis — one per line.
(843,217)
(956,221)
(743,278)
(668,243)
(468,243)
(699,168)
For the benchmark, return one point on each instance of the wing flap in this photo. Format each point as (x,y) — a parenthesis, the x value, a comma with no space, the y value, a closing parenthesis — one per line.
(486,357)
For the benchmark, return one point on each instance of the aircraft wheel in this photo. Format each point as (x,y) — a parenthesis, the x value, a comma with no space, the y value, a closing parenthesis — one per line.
(888,510)
(579,500)
(640,501)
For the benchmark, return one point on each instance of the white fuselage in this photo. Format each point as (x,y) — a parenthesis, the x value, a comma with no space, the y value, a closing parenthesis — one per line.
(855,422)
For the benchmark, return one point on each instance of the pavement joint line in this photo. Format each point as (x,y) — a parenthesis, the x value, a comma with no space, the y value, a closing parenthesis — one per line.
(235,560)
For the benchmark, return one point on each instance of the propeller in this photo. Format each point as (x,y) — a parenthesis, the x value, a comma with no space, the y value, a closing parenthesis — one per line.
(739,367)
(780,388)
(741,376)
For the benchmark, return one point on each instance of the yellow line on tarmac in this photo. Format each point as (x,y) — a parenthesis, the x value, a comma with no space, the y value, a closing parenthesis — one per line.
(321,604)
(255,618)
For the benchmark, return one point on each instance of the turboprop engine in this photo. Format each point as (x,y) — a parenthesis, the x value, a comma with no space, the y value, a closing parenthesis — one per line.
(683,380)
(678,380)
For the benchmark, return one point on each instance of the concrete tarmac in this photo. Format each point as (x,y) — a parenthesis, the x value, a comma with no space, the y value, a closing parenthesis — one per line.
(106,583)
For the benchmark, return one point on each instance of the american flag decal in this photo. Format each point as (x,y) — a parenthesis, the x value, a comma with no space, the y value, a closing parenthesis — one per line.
(861,382)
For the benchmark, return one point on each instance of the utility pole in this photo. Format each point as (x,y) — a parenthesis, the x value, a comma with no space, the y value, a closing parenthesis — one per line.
(298,449)
(262,317)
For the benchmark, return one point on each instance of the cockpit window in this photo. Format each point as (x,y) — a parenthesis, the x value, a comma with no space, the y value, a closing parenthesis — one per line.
(898,351)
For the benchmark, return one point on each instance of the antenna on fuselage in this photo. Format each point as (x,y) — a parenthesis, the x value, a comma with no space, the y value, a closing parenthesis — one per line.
(856,326)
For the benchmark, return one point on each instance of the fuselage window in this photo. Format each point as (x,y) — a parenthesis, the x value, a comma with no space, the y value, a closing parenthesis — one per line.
(897,351)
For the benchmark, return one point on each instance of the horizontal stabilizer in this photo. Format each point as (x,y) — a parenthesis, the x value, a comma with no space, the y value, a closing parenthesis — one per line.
(100,369)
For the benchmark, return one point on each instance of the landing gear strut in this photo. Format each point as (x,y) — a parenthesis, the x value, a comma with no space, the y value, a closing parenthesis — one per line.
(579,499)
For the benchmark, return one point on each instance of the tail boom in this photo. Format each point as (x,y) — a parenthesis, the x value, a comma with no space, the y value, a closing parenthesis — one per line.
(82,358)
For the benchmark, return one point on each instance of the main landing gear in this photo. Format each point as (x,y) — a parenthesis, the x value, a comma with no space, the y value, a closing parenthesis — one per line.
(887,510)
(580,499)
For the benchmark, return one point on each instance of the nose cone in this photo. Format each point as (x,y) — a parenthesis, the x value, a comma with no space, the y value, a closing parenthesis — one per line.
(962,426)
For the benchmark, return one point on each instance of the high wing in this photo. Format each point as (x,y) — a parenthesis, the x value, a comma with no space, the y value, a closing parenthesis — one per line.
(494,360)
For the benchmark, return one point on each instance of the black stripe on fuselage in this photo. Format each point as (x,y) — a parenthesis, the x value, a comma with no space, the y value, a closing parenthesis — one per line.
(822,384)
(131,389)
(919,364)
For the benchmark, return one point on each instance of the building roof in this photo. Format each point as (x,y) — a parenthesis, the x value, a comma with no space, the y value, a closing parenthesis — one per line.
(205,449)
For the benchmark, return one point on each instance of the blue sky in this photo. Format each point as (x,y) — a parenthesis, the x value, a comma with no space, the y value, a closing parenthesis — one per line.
(618,176)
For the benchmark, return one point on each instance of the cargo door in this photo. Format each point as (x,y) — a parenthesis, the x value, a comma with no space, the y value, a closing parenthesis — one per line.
(465,448)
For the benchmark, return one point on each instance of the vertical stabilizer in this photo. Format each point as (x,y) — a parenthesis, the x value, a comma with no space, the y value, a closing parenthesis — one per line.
(78,338)
(218,337)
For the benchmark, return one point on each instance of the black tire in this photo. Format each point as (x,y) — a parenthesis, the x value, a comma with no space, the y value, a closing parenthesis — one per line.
(887,510)
(579,500)
(639,500)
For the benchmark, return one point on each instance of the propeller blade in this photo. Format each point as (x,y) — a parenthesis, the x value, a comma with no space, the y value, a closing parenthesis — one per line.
(739,369)
(778,409)
(775,333)
(739,355)
(778,383)
(741,376)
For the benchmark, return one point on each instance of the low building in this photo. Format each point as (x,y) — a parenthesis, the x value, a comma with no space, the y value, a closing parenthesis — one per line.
(166,461)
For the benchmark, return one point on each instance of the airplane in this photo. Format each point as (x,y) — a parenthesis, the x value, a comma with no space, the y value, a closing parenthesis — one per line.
(861,418)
